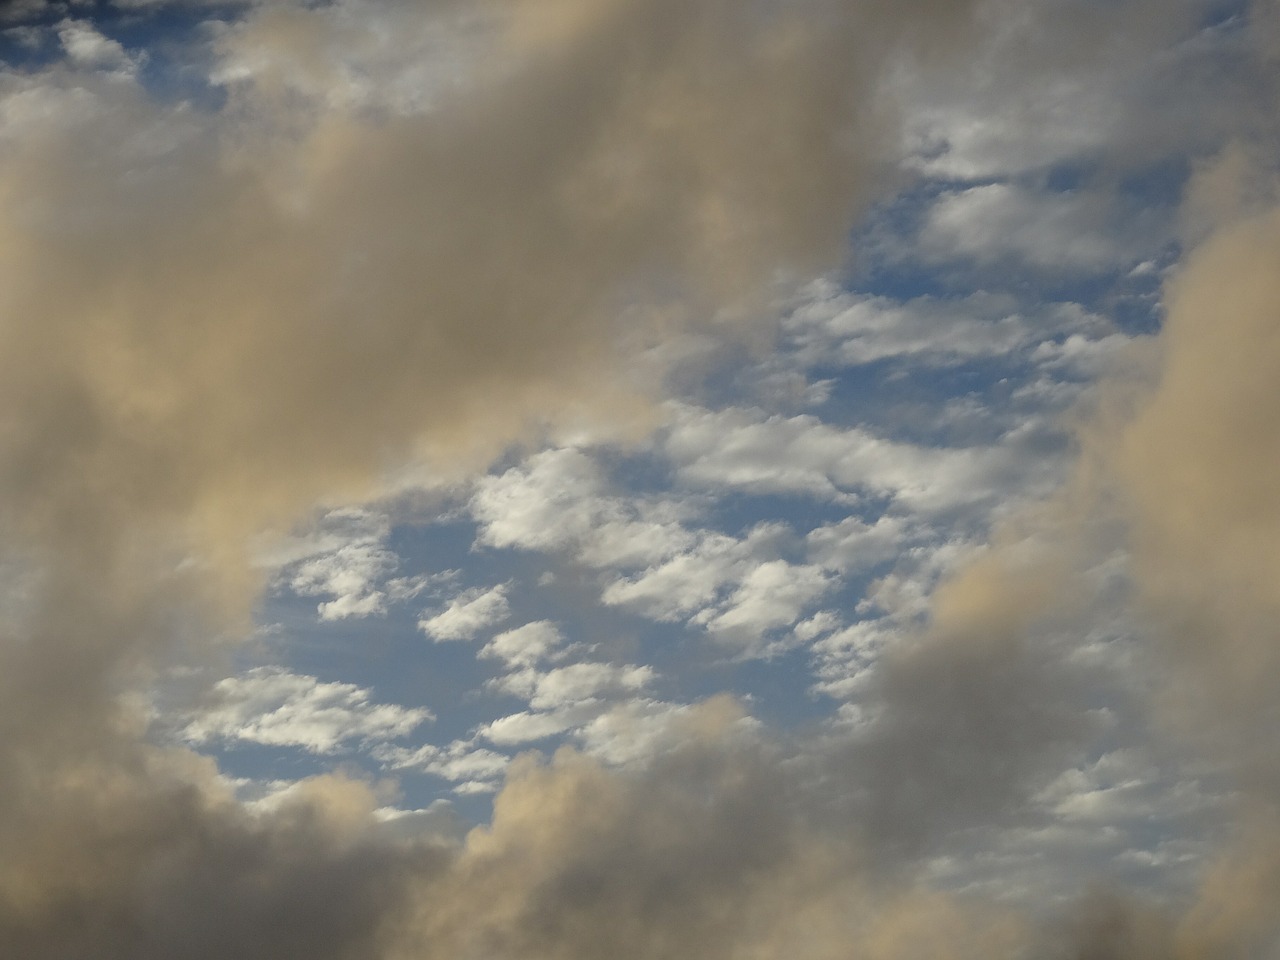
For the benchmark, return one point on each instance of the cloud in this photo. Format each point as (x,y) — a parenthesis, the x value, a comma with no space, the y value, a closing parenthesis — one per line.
(852,545)
(467,614)
(803,455)
(560,499)
(1053,85)
(772,595)
(564,686)
(692,580)
(216,319)
(354,289)
(269,705)
(1003,222)
(849,329)
(469,766)
(525,726)
(642,729)
(526,645)
(87,47)
(1196,466)
(346,575)
(740,589)
(579,861)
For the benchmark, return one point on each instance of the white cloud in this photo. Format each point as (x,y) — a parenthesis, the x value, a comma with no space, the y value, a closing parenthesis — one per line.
(895,606)
(348,575)
(574,683)
(1122,787)
(1052,231)
(852,545)
(739,589)
(87,47)
(836,328)
(843,659)
(559,499)
(527,726)
(639,729)
(550,500)
(461,761)
(269,705)
(632,731)
(620,733)
(1081,355)
(467,614)
(772,595)
(803,455)
(336,529)
(345,557)
(685,583)
(524,646)
(846,329)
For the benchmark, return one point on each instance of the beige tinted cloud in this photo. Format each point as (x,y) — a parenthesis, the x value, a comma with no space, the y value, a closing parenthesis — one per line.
(1197,465)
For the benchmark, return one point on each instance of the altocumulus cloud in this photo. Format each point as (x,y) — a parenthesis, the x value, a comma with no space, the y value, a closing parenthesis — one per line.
(273,706)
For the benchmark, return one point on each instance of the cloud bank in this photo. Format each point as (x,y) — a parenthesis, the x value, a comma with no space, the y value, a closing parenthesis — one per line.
(215,319)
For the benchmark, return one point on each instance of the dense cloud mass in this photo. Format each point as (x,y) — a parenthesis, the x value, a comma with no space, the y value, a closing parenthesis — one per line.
(396,239)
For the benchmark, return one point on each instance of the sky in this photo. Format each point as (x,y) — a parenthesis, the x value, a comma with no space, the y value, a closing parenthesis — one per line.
(645,479)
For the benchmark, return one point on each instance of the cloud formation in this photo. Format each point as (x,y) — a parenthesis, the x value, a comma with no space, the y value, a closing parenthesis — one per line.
(215,319)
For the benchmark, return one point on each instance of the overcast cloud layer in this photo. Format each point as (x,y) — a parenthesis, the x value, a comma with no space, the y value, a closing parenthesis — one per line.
(639,478)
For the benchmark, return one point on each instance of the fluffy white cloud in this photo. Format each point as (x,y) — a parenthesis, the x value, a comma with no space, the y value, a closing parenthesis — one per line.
(688,581)
(524,646)
(559,499)
(1081,355)
(270,705)
(473,769)
(803,455)
(574,683)
(552,499)
(772,595)
(345,557)
(633,731)
(348,574)
(744,591)
(843,658)
(527,726)
(562,699)
(467,614)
